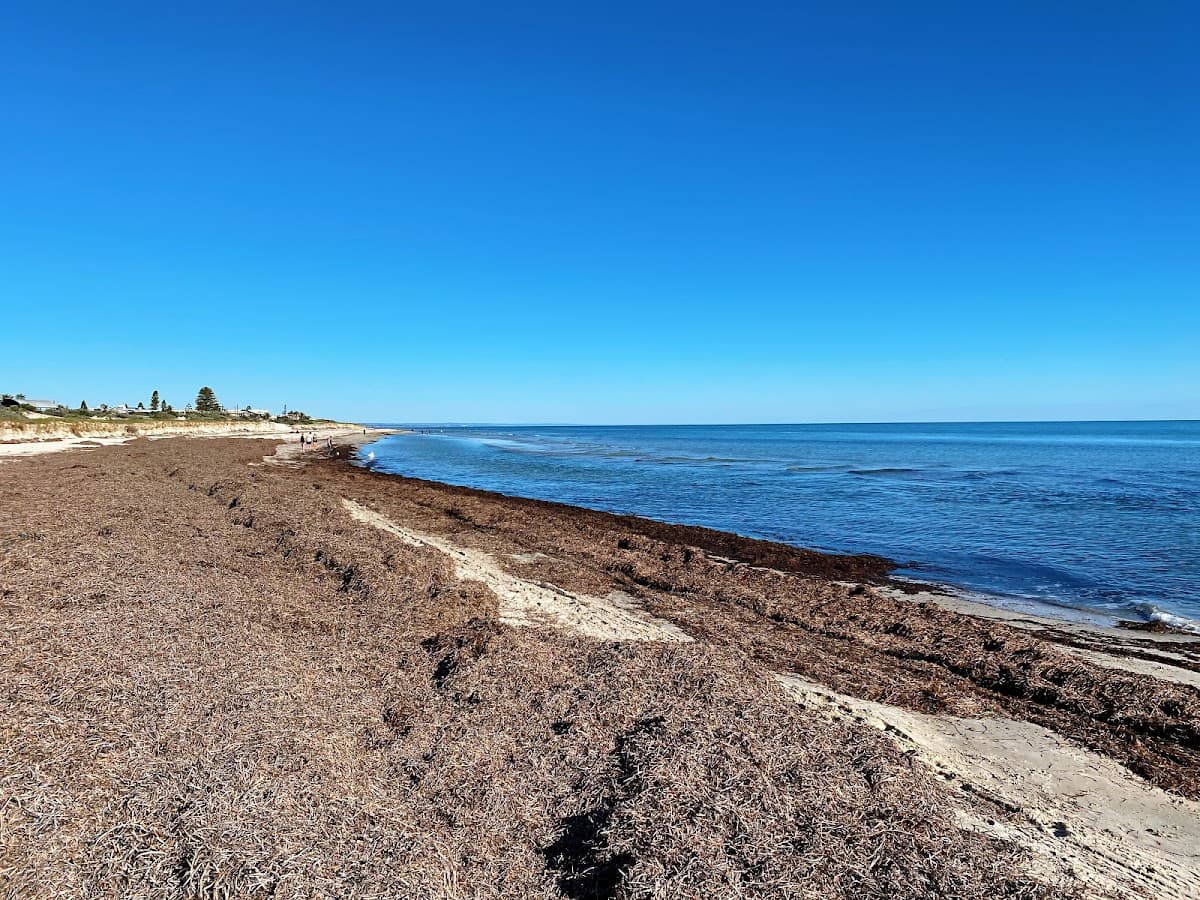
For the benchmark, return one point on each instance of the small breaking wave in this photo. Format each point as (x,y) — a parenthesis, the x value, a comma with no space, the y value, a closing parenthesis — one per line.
(1152,613)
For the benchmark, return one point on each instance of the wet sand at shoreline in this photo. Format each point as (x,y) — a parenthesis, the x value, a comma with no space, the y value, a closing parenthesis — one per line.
(224,673)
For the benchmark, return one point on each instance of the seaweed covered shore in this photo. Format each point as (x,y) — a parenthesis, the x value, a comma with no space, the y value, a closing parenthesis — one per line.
(227,672)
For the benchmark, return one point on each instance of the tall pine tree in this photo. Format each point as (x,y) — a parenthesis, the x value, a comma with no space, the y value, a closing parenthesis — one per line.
(206,401)
(154,402)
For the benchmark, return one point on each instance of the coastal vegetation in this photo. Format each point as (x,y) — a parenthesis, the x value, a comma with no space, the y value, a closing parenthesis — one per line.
(206,401)
(17,411)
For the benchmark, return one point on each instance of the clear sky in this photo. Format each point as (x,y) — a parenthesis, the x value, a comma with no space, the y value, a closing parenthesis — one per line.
(605,212)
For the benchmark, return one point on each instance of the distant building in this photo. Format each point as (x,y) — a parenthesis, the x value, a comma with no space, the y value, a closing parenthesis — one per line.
(247,413)
(43,405)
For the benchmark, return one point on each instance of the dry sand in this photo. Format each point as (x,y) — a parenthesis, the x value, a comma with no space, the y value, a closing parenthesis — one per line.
(1078,811)
(531,604)
(226,678)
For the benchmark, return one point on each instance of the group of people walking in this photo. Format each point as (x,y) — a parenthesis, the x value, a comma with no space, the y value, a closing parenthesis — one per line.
(310,440)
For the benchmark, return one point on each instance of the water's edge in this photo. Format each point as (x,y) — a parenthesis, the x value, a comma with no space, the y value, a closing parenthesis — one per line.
(642,474)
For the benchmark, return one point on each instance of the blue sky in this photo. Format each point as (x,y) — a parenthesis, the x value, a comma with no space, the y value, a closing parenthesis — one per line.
(619,212)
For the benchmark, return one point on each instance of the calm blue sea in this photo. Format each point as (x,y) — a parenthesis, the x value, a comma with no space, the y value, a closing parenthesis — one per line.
(1085,517)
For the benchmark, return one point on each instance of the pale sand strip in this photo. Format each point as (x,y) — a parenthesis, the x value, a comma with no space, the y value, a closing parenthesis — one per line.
(1077,810)
(1125,663)
(533,603)
(12,450)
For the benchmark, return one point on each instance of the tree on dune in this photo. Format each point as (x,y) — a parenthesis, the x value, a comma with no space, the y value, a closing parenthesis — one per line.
(206,401)
(83,407)
(154,402)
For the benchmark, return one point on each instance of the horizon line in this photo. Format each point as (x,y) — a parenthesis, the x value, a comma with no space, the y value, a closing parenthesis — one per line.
(460,424)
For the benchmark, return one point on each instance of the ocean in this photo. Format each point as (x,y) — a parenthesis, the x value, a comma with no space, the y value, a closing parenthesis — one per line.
(1091,520)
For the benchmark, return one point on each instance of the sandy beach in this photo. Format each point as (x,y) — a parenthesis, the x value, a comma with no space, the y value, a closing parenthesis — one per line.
(232,668)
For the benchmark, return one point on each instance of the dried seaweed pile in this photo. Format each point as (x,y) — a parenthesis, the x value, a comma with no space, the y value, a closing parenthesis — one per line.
(216,684)
(842,634)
